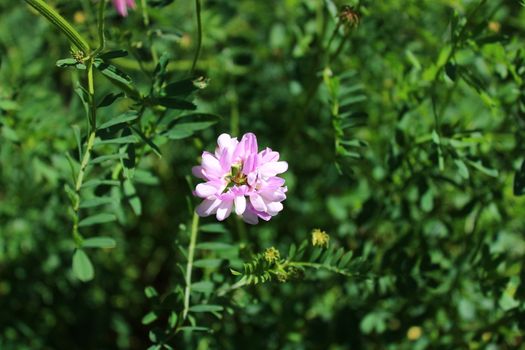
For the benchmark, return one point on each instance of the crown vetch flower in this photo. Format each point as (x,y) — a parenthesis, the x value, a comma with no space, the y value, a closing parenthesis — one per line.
(239,177)
(122,6)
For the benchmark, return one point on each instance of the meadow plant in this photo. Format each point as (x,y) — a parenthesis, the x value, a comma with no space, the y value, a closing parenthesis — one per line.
(398,180)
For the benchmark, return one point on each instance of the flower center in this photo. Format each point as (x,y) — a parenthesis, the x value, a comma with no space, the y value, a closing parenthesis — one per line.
(236,176)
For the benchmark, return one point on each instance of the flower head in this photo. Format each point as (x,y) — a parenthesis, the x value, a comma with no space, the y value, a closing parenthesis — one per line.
(122,6)
(239,177)
(320,238)
(271,255)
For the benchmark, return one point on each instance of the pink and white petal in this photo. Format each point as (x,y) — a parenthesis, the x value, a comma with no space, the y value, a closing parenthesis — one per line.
(224,210)
(197,172)
(272,195)
(252,178)
(274,182)
(226,159)
(208,207)
(250,217)
(246,146)
(273,168)
(274,208)
(268,155)
(223,140)
(240,205)
(131,3)
(120,6)
(263,215)
(250,164)
(211,165)
(207,189)
(257,202)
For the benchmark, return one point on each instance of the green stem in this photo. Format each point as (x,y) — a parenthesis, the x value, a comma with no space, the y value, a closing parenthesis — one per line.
(318,266)
(61,23)
(78,185)
(145,15)
(239,284)
(189,265)
(87,154)
(91,97)
(199,36)
(101,29)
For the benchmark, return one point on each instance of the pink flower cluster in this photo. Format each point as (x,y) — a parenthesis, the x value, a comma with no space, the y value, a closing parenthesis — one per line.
(122,6)
(238,176)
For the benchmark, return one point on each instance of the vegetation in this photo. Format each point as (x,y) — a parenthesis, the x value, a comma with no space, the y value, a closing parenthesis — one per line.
(403,126)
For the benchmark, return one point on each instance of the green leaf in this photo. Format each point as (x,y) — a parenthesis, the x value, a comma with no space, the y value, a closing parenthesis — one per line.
(427,201)
(186,125)
(292,251)
(112,72)
(99,242)
(97,219)
(451,70)
(345,259)
(66,62)
(113,54)
(202,287)
(131,195)
(107,157)
(181,88)
(82,267)
(519,183)
(172,320)
(148,141)
(150,292)
(121,119)
(145,177)
(462,168)
(207,263)
(174,103)
(193,329)
(96,182)
(109,99)
(478,165)
(206,308)
(215,246)
(213,228)
(149,318)
(117,140)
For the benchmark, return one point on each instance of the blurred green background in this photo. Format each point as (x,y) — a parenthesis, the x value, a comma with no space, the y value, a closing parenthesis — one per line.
(404,134)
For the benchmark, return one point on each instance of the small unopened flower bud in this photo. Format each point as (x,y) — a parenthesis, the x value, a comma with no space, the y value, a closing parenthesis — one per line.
(79,56)
(320,238)
(282,277)
(349,16)
(271,255)
(201,82)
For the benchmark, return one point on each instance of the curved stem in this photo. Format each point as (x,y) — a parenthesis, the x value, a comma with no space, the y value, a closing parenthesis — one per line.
(61,23)
(199,36)
(189,265)
(101,29)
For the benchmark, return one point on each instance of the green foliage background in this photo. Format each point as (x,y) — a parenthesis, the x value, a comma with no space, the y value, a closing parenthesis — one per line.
(406,146)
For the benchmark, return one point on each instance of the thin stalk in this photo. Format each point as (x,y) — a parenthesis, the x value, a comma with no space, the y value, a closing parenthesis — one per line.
(199,36)
(145,16)
(101,29)
(189,265)
(239,284)
(87,153)
(78,185)
(61,23)
(320,266)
